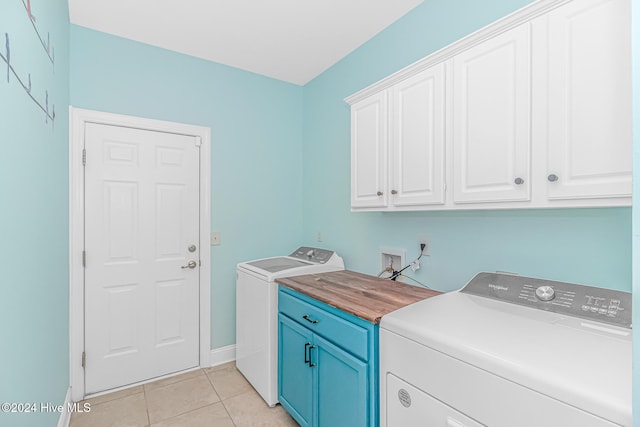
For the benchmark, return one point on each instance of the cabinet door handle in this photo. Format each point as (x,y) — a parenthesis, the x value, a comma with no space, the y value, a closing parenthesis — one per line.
(394,192)
(308,319)
(379,193)
(311,364)
(518,181)
(307,359)
(552,177)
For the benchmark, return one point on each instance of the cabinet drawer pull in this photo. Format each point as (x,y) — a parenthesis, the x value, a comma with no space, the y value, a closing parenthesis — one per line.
(394,192)
(311,364)
(306,317)
(307,359)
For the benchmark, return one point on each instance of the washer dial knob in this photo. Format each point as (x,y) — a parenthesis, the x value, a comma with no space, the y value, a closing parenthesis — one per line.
(545,293)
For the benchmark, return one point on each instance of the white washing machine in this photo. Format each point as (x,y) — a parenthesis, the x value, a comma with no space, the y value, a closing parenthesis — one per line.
(508,351)
(257,312)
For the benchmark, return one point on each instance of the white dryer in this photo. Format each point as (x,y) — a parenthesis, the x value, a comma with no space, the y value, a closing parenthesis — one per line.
(508,351)
(257,312)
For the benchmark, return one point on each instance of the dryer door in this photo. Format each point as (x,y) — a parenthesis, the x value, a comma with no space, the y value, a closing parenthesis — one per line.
(408,406)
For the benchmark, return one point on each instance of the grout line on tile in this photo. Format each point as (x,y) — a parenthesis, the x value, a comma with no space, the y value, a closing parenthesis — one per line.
(198,409)
(146,406)
(150,384)
(214,388)
(229,414)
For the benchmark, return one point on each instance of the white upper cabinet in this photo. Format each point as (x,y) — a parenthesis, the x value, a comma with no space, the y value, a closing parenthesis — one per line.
(397,150)
(588,110)
(417,139)
(532,111)
(490,124)
(369,152)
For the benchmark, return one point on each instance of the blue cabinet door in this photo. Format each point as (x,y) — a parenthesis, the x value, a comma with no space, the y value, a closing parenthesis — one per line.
(341,383)
(295,375)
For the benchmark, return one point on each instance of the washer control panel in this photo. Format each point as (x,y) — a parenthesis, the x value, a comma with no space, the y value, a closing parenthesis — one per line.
(316,255)
(588,302)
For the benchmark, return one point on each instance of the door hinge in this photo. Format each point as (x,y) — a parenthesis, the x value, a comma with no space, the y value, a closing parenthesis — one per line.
(84,259)
(198,141)
(84,157)
(84,359)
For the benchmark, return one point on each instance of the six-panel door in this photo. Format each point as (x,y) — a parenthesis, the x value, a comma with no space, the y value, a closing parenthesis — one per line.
(142,255)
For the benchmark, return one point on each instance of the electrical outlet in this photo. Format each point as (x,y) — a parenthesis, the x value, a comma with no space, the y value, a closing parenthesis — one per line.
(425,242)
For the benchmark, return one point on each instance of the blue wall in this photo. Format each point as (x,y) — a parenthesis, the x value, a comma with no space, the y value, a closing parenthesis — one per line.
(591,246)
(256,155)
(34,360)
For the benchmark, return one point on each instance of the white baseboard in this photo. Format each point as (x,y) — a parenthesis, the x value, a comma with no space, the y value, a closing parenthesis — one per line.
(223,355)
(65,415)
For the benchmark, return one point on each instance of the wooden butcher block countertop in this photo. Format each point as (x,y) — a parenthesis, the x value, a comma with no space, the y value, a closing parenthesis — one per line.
(359,294)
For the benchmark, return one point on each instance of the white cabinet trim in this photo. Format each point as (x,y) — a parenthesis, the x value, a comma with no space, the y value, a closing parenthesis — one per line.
(510,21)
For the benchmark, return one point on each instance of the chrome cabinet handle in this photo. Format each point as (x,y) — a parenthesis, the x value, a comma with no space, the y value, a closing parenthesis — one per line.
(518,181)
(308,319)
(191,264)
(379,193)
(552,177)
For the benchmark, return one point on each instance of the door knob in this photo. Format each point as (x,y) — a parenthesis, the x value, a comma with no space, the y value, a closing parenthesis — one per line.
(191,264)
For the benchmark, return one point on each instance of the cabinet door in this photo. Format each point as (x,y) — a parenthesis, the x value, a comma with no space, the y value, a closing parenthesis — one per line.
(589,105)
(369,152)
(491,119)
(342,394)
(295,376)
(417,143)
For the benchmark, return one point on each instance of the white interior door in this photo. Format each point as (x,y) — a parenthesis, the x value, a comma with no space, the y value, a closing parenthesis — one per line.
(141,233)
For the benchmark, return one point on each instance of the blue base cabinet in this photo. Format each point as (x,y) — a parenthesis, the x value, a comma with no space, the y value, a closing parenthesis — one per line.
(327,364)
(295,379)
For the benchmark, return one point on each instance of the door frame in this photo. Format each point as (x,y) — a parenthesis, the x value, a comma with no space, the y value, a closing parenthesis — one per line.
(77,120)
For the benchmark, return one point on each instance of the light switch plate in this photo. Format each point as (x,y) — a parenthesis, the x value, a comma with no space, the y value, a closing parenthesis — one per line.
(215,238)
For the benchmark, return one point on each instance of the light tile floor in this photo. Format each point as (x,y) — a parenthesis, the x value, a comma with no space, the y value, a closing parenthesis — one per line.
(216,397)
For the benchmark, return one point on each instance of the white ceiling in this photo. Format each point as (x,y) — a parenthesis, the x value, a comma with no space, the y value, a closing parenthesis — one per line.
(290,40)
